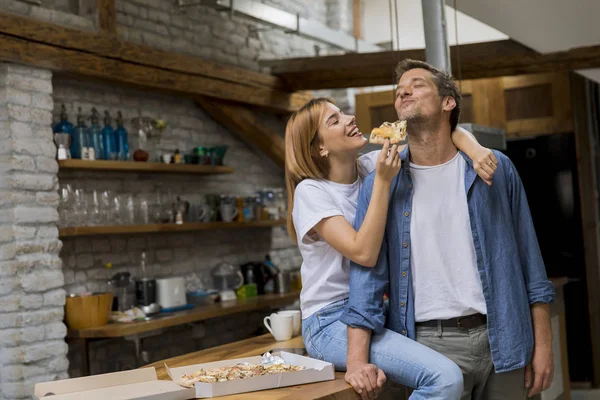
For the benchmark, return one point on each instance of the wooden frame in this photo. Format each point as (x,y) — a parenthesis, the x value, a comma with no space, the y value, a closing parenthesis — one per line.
(590,213)
(107,17)
(479,60)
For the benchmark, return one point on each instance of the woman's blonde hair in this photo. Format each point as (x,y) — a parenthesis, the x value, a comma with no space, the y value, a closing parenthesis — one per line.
(302,152)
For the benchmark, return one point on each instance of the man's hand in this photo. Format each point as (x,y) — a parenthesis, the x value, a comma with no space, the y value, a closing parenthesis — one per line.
(485,164)
(366,379)
(539,374)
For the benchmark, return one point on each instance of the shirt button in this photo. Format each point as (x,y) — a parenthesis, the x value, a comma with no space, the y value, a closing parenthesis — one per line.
(404,274)
(410,186)
(405,245)
(401,304)
(403,332)
(406,214)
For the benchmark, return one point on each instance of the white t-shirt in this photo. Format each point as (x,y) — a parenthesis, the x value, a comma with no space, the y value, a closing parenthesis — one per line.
(445,278)
(325,271)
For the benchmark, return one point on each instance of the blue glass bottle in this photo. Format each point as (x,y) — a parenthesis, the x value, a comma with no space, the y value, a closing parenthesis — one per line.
(108,139)
(79,145)
(121,138)
(96,151)
(64,126)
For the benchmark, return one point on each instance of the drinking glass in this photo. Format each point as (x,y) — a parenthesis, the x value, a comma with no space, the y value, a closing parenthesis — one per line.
(80,212)
(157,208)
(142,209)
(168,206)
(128,211)
(95,208)
(116,210)
(65,205)
(106,207)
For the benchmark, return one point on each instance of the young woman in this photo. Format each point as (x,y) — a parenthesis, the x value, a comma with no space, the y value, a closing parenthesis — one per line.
(323,179)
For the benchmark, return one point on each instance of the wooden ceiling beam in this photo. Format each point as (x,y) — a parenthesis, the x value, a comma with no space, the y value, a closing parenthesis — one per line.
(248,126)
(102,45)
(479,60)
(33,42)
(89,65)
(534,63)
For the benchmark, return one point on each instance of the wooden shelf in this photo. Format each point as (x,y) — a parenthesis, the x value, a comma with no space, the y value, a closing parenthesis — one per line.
(198,313)
(150,167)
(157,228)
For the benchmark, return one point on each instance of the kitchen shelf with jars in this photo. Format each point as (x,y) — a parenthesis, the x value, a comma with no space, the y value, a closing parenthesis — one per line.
(85,212)
(107,149)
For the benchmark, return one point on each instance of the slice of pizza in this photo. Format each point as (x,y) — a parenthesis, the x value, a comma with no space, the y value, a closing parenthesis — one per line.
(395,131)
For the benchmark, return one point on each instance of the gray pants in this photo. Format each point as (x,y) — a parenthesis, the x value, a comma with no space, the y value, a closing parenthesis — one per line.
(470,349)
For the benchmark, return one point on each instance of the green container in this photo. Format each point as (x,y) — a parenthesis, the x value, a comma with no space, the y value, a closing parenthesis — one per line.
(201,151)
(246,291)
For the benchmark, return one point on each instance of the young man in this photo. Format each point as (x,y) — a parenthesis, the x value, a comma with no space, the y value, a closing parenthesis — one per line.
(460,260)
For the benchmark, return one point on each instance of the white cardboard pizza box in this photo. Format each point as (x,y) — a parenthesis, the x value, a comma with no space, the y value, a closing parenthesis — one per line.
(136,384)
(316,371)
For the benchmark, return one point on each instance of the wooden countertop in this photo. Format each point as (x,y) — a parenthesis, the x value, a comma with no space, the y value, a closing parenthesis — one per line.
(202,313)
(336,389)
(196,314)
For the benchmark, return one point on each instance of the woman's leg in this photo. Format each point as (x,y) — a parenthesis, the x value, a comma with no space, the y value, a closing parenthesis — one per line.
(432,375)
(403,360)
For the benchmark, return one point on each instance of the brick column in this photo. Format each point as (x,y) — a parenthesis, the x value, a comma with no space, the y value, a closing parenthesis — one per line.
(32,345)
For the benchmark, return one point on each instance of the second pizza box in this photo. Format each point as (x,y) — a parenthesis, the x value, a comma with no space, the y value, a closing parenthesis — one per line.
(315,371)
(139,384)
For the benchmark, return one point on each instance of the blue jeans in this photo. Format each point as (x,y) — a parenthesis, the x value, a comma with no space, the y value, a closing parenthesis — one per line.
(404,361)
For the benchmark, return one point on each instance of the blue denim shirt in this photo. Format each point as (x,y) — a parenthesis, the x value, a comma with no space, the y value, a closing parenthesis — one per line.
(509,262)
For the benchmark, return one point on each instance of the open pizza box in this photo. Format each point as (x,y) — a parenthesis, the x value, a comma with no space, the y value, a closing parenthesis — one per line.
(136,384)
(316,371)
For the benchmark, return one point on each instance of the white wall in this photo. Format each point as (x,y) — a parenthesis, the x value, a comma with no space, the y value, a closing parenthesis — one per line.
(375,25)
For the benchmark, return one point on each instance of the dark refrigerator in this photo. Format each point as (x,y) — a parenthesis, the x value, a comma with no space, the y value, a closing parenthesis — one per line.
(548,168)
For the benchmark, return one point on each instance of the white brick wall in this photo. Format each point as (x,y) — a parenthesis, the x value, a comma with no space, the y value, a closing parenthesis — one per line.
(31,289)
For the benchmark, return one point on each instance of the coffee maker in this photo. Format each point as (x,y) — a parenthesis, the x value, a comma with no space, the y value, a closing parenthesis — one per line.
(261,273)
(145,290)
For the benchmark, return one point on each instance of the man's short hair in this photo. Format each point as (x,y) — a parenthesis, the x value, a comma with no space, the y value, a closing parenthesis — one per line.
(443,80)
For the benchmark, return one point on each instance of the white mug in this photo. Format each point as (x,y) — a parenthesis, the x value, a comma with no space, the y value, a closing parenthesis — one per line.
(297,320)
(228,212)
(281,327)
(166,158)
